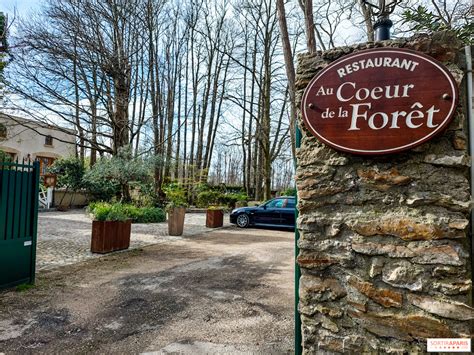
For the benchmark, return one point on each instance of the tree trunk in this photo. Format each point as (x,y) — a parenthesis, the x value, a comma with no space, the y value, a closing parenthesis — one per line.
(307,7)
(369,26)
(290,70)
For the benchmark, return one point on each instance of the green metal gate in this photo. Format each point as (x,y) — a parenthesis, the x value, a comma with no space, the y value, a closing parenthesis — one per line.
(18,222)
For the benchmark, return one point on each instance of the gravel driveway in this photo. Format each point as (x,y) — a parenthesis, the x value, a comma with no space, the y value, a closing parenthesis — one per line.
(64,237)
(228,291)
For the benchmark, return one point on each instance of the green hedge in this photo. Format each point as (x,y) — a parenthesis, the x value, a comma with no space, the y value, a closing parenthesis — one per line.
(103,211)
(291,191)
(212,197)
(207,198)
(230,199)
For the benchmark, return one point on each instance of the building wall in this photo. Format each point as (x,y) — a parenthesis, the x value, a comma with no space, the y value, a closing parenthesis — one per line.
(27,140)
(385,243)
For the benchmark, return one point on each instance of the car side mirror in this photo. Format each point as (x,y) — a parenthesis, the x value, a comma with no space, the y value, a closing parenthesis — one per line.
(264,207)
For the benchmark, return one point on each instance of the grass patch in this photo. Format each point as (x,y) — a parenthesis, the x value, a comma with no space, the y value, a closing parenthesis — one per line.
(24,287)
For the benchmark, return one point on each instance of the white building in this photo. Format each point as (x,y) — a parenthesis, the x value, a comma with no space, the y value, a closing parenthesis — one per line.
(27,139)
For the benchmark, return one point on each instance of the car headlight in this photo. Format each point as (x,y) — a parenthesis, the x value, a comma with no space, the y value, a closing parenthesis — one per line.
(234,211)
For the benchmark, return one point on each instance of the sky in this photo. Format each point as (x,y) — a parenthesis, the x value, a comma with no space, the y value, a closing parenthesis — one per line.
(21,6)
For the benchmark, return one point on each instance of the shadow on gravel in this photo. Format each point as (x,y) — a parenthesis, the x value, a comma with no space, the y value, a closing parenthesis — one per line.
(149,301)
(283,229)
(241,238)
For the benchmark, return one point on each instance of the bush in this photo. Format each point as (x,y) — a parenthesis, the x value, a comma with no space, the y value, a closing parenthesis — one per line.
(151,215)
(202,187)
(101,189)
(217,208)
(103,211)
(130,211)
(231,199)
(114,176)
(234,189)
(175,195)
(213,197)
(4,157)
(116,213)
(143,195)
(207,198)
(70,172)
(291,191)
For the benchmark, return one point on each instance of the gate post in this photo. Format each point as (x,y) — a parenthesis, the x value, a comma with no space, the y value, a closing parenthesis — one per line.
(297,330)
(385,250)
(36,177)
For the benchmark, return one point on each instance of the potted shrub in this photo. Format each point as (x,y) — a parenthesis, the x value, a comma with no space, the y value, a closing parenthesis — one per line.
(176,208)
(214,217)
(111,228)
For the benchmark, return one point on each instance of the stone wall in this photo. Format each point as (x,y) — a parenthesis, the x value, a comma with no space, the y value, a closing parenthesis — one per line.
(385,242)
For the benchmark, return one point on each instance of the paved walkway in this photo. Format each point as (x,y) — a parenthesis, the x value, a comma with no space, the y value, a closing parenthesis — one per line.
(64,237)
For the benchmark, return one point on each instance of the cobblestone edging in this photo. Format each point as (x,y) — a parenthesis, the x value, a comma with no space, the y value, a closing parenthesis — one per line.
(64,237)
(385,249)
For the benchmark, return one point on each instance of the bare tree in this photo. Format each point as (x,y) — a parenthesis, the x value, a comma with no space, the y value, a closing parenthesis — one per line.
(290,68)
(164,78)
(86,52)
(307,7)
(367,14)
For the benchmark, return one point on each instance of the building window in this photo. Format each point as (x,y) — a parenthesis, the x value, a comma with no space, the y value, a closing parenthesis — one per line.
(45,163)
(48,140)
(3,131)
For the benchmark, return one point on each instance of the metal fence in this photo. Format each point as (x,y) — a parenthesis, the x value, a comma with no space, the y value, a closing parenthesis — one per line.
(19,183)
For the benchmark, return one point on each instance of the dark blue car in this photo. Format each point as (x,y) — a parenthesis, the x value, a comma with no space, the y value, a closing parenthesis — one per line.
(279,212)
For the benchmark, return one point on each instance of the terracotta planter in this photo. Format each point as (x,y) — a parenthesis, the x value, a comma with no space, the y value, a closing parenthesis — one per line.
(108,236)
(176,221)
(214,218)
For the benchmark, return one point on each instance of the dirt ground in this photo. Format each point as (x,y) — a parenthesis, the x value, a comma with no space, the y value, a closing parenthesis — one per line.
(227,291)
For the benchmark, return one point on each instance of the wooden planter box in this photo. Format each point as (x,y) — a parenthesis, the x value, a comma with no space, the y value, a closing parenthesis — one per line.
(176,221)
(108,236)
(214,218)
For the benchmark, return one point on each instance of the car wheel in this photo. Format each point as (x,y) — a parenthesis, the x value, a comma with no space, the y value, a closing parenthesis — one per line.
(243,220)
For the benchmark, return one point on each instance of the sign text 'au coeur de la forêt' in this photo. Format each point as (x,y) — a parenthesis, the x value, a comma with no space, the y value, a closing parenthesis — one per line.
(380,101)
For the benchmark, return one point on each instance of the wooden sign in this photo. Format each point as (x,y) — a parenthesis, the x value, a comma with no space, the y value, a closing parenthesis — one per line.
(380,101)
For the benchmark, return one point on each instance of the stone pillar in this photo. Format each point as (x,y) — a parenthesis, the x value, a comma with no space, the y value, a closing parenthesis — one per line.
(385,243)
